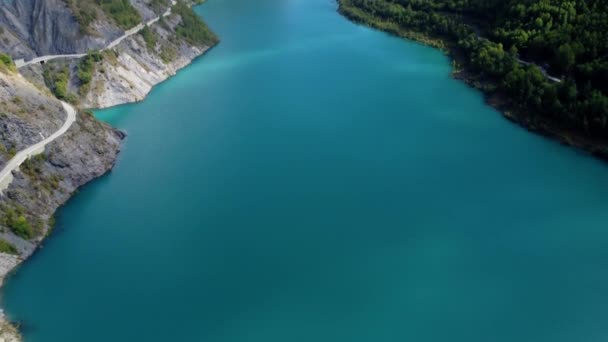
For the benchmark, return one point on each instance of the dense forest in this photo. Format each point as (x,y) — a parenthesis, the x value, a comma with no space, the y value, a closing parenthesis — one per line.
(548,58)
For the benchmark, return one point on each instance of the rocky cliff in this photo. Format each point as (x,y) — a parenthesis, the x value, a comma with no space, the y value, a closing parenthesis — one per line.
(140,62)
(49,27)
(30,110)
(26,114)
(128,71)
(46,181)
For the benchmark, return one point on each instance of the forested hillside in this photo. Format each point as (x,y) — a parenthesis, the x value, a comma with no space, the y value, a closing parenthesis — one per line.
(547,58)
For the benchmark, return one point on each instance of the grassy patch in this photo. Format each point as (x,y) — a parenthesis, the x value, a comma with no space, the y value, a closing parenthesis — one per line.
(149,37)
(15,219)
(6,63)
(7,247)
(86,68)
(56,79)
(86,12)
(33,169)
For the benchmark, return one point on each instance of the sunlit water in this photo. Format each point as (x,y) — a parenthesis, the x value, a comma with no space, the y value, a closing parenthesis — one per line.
(313,180)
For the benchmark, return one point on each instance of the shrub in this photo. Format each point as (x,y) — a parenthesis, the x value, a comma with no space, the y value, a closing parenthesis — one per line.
(7,247)
(86,68)
(33,165)
(149,38)
(57,81)
(15,219)
(6,62)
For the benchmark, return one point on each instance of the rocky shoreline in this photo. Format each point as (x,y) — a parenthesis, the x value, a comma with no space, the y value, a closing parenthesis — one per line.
(61,160)
(89,149)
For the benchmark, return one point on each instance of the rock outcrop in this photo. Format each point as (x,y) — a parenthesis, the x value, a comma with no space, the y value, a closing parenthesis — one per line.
(29,111)
(136,68)
(48,27)
(87,150)
(26,114)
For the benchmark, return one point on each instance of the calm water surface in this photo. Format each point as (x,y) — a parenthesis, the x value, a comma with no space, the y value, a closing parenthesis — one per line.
(314,180)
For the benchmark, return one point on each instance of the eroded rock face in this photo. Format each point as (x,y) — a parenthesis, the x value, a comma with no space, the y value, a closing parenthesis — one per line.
(26,114)
(136,68)
(29,112)
(47,27)
(33,28)
(43,183)
(86,151)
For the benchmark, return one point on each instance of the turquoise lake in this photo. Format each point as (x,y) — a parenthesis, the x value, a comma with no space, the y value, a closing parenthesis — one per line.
(313,180)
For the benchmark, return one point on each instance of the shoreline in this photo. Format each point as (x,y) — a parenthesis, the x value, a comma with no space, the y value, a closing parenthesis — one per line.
(8,268)
(537,123)
(9,263)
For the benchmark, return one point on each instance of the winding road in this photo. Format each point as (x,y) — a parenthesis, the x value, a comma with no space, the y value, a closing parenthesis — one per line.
(542,69)
(20,63)
(522,62)
(6,175)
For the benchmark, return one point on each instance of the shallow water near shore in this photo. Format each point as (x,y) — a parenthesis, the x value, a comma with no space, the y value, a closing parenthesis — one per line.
(313,180)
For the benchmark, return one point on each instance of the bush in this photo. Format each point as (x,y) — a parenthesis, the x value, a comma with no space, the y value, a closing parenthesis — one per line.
(33,165)
(6,62)
(86,68)
(15,219)
(57,81)
(7,247)
(149,38)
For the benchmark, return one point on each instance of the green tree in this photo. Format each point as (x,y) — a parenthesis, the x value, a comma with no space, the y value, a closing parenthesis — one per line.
(565,57)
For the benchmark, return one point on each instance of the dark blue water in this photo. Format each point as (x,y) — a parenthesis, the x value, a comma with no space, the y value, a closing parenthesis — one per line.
(313,180)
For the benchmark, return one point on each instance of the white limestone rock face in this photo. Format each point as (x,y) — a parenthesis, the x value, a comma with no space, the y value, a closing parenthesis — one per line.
(135,69)
(8,333)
